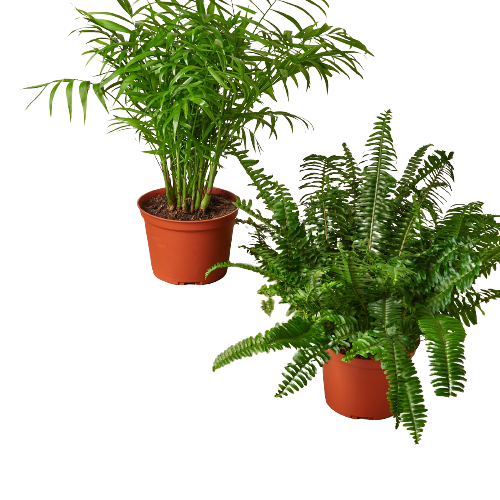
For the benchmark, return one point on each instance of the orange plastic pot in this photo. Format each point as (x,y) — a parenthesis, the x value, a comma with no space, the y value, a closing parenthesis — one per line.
(357,389)
(182,251)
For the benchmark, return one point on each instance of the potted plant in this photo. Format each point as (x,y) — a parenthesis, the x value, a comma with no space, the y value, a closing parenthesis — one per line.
(371,268)
(191,80)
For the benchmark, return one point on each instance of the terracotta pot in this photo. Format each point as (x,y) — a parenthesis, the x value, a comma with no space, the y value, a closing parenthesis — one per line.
(357,389)
(182,251)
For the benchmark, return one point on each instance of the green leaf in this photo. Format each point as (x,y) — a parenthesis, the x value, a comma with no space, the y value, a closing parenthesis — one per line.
(352,42)
(52,93)
(182,72)
(200,6)
(84,90)
(111,25)
(125,4)
(175,118)
(203,104)
(246,9)
(128,81)
(69,97)
(44,85)
(211,8)
(290,18)
(217,78)
(99,94)
(140,57)
(137,124)
(154,41)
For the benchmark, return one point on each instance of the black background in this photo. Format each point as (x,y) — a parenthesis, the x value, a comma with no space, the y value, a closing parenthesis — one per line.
(129,354)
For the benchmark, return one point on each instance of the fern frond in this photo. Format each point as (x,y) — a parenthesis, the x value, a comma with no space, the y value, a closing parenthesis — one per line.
(410,403)
(302,368)
(291,236)
(243,349)
(295,378)
(465,306)
(490,257)
(327,216)
(373,203)
(296,332)
(386,311)
(268,272)
(445,336)
(351,174)
(407,183)
(435,173)
(459,220)
(462,279)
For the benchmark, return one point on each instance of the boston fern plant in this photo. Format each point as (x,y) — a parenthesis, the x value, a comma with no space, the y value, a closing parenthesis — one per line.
(371,267)
(190,78)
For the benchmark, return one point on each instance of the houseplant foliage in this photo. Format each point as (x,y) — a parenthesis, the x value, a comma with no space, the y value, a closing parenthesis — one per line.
(190,78)
(371,267)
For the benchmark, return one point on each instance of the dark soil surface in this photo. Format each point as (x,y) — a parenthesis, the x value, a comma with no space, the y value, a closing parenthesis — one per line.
(218,207)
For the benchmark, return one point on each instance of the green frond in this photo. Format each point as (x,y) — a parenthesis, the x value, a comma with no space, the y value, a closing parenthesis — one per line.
(386,311)
(373,209)
(490,257)
(271,274)
(296,332)
(365,344)
(351,174)
(451,278)
(464,306)
(459,220)
(318,353)
(435,173)
(325,204)
(451,262)
(405,391)
(295,378)
(445,337)
(302,369)
(410,400)
(407,183)
(355,273)
(290,234)
(245,348)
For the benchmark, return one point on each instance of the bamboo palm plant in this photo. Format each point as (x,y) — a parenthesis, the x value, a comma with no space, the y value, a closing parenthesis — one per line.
(371,267)
(191,78)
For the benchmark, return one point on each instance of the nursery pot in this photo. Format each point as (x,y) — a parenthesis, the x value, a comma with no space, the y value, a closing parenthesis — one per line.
(182,251)
(357,389)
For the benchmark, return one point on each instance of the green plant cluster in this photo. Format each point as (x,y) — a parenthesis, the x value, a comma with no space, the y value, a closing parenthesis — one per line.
(371,267)
(191,78)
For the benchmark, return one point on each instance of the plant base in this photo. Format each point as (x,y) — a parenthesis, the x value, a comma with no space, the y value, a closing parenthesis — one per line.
(182,251)
(357,389)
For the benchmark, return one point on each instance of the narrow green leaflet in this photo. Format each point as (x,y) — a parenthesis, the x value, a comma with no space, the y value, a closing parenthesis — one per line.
(99,94)
(125,4)
(111,25)
(211,8)
(52,94)
(352,42)
(84,90)
(69,97)
(137,58)
(176,114)
(154,41)
(217,78)
(134,123)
